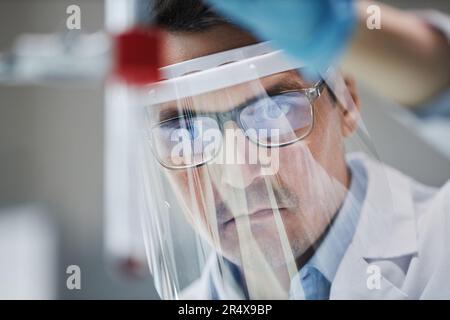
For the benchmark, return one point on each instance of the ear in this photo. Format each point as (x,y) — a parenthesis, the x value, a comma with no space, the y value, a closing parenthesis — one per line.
(349,115)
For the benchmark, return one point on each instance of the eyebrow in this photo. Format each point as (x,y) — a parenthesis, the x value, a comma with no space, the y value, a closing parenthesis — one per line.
(285,85)
(168,113)
(171,110)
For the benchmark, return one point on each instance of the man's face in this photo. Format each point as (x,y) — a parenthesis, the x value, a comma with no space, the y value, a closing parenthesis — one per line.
(234,205)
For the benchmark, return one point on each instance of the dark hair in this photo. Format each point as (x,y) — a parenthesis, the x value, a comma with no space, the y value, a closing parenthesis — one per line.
(184,15)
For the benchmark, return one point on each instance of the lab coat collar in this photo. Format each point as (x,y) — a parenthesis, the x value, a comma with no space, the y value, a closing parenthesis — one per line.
(387,225)
(386,229)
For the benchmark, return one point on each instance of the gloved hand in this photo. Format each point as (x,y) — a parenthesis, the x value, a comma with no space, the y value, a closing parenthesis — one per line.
(314,31)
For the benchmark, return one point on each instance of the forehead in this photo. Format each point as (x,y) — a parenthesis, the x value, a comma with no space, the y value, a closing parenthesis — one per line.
(181,46)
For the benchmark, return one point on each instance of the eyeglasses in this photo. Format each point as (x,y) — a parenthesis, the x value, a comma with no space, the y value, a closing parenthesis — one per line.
(192,139)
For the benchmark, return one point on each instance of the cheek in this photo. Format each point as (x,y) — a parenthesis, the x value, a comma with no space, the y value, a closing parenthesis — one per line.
(190,195)
(311,179)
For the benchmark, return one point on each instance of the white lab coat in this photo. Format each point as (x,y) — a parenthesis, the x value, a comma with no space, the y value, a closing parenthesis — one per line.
(403,230)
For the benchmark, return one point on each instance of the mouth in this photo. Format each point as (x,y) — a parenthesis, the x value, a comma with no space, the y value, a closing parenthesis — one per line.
(257,217)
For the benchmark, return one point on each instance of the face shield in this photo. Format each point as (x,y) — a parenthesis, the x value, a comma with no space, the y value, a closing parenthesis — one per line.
(243,169)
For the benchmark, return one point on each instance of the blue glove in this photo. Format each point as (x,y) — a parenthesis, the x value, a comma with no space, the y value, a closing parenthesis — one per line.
(314,31)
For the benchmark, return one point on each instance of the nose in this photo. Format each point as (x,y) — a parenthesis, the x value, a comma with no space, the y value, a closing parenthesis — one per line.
(241,164)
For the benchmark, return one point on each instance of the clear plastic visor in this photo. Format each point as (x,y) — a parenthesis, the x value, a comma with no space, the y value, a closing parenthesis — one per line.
(245,169)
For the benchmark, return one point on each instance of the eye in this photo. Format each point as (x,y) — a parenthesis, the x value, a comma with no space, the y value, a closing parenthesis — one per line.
(187,128)
(277,108)
(271,108)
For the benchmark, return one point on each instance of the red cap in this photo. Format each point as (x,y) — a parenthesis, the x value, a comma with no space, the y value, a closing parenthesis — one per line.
(137,56)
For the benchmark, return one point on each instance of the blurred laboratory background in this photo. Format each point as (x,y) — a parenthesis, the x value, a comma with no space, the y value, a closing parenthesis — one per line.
(52,170)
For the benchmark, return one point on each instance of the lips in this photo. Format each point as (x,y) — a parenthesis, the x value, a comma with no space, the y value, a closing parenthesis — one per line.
(257,200)
(256,216)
